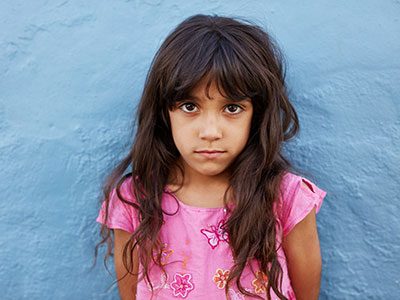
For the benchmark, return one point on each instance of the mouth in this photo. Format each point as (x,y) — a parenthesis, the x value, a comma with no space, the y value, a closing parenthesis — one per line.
(210,153)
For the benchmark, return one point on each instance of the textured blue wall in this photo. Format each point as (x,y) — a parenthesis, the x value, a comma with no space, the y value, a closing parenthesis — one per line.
(71,73)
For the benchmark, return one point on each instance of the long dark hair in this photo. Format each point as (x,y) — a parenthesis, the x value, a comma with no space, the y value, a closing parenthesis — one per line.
(245,62)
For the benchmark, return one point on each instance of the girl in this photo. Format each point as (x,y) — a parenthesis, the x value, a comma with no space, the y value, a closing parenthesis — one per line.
(210,208)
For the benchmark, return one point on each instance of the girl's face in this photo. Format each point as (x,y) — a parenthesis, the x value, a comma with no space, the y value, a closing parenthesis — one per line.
(218,125)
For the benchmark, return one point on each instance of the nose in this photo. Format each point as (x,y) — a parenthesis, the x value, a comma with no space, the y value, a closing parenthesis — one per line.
(210,128)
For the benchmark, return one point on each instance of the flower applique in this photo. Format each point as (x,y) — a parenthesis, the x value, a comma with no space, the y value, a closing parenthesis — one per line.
(220,278)
(260,282)
(216,234)
(182,285)
(165,254)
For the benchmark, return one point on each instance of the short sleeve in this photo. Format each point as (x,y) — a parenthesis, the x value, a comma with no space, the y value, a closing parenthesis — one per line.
(120,215)
(297,198)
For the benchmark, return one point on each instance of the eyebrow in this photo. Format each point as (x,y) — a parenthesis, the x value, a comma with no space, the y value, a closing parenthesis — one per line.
(225,100)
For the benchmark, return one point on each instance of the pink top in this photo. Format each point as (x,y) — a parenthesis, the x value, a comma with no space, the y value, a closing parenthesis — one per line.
(196,253)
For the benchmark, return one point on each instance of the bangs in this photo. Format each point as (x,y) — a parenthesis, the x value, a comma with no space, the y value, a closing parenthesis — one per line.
(213,58)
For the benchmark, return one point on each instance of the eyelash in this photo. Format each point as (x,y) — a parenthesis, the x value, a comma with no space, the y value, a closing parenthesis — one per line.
(235,105)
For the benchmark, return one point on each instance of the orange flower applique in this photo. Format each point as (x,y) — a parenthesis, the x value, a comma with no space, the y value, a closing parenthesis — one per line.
(165,254)
(260,283)
(220,278)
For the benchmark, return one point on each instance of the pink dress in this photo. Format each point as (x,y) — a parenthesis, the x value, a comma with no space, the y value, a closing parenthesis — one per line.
(196,254)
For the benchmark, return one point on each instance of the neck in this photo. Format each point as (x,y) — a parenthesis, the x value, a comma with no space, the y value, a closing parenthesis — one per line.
(192,179)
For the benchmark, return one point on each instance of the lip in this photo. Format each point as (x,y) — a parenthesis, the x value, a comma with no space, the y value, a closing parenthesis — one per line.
(210,153)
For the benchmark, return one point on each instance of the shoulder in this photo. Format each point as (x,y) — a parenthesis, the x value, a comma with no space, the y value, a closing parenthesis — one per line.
(297,197)
(292,184)
(121,207)
(124,188)
(121,197)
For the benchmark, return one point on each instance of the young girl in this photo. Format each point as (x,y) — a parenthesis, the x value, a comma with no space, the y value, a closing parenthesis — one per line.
(210,208)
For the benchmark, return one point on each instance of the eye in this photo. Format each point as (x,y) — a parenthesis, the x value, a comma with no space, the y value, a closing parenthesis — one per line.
(234,109)
(188,107)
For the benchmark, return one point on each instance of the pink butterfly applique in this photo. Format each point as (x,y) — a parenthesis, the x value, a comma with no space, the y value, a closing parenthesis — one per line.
(216,234)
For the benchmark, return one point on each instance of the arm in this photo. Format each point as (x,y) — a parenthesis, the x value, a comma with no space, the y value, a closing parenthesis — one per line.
(303,256)
(126,286)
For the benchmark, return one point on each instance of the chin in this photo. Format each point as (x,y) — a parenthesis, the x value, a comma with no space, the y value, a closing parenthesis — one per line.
(211,172)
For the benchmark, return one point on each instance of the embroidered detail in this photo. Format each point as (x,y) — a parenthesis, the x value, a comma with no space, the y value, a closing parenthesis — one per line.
(220,278)
(162,284)
(260,283)
(216,234)
(165,254)
(182,285)
(235,295)
(184,262)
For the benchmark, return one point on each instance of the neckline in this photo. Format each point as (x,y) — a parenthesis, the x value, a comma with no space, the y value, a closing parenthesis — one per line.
(192,207)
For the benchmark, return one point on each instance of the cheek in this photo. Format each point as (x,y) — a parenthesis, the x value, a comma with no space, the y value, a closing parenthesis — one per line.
(180,133)
(241,131)
(242,138)
(248,124)
(179,138)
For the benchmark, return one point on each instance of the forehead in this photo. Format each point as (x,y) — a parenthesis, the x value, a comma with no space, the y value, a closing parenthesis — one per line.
(210,90)
(207,89)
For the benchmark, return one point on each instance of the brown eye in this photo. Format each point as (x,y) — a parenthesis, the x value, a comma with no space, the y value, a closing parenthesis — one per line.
(234,109)
(188,107)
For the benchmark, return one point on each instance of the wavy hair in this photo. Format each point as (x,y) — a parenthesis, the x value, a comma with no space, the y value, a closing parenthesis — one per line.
(244,62)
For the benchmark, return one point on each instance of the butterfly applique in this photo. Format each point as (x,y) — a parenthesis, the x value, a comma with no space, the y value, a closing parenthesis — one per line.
(216,234)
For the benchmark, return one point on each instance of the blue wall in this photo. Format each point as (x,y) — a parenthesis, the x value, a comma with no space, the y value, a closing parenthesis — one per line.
(71,73)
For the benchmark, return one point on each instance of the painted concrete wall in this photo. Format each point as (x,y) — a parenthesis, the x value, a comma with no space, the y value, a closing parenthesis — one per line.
(71,73)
